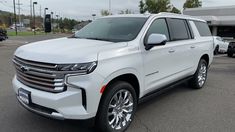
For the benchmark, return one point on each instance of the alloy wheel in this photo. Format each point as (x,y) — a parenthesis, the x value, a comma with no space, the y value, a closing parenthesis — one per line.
(202,74)
(120,109)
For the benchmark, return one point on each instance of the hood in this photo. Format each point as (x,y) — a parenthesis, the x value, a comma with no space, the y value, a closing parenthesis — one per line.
(65,50)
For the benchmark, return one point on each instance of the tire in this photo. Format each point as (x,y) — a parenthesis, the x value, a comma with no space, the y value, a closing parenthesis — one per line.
(216,51)
(230,54)
(110,105)
(200,77)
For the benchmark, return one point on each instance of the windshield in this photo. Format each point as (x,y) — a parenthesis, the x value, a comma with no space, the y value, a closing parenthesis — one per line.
(118,29)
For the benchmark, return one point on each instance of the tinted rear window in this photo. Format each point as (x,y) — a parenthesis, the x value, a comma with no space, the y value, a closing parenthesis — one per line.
(203,28)
(178,29)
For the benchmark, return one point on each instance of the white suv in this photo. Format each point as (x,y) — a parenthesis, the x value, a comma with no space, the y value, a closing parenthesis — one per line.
(107,67)
(220,45)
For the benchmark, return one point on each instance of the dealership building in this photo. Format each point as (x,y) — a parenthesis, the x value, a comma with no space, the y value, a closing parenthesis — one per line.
(220,19)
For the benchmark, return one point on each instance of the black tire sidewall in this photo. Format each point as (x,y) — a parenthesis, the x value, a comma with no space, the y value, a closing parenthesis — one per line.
(216,51)
(230,54)
(101,119)
(194,82)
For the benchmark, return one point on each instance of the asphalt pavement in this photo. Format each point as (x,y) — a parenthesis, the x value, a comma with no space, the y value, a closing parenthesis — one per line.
(211,109)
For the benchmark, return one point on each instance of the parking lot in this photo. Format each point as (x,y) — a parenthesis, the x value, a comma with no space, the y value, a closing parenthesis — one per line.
(211,109)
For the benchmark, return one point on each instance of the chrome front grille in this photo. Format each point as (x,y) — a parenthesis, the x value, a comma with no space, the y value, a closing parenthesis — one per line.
(42,76)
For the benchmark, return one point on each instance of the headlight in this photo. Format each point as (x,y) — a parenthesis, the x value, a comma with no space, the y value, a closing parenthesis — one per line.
(78,68)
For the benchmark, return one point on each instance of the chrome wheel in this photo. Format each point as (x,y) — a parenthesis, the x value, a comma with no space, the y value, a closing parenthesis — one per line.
(202,74)
(120,110)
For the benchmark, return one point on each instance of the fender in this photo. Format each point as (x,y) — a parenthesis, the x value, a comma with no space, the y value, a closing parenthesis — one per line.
(123,72)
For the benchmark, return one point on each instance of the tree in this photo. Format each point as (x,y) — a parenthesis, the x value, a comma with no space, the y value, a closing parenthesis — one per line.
(192,4)
(142,7)
(68,23)
(105,13)
(6,18)
(61,24)
(175,10)
(155,6)
(127,11)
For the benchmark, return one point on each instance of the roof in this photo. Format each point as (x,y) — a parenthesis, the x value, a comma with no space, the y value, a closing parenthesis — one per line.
(223,15)
(211,8)
(128,15)
(219,20)
(162,14)
(174,15)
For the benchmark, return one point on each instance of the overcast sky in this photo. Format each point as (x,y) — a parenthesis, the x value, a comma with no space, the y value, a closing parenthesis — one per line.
(82,9)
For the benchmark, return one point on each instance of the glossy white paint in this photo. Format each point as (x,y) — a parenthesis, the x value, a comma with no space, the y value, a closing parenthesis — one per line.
(153,68)
(223,45)
(156,39)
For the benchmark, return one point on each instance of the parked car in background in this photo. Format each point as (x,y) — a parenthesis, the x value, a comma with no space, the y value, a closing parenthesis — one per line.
(221,46)
(12,27)
(231,49)
(110,65)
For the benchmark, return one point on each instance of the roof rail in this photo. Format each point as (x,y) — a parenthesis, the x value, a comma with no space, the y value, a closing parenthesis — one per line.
(169,13)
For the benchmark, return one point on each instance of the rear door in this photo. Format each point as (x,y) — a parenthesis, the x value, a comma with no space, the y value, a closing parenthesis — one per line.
(182,46)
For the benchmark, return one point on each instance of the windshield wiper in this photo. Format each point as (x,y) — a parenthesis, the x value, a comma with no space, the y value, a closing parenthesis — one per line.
(101,39)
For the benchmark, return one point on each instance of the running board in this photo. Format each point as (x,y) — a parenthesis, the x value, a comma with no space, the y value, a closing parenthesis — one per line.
(162,90)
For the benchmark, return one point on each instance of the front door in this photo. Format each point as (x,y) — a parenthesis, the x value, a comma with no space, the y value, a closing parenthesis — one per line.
(162,64)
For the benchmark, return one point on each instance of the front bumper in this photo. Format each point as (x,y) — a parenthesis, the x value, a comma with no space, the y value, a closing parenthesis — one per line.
(36,109)
(64,105)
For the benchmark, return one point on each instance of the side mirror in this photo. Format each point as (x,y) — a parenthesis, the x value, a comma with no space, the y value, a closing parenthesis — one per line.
(155,40)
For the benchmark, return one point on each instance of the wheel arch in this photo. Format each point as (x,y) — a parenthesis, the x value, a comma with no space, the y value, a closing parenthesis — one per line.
(130,77)
(206,58)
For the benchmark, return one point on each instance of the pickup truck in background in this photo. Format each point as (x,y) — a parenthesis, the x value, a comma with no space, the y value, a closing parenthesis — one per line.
(231,49)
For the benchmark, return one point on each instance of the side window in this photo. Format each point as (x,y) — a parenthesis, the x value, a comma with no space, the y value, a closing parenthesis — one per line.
(178,29)
(203,28)
(159,26)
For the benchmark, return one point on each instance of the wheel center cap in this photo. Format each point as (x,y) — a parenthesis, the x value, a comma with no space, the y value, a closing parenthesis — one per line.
(119,109)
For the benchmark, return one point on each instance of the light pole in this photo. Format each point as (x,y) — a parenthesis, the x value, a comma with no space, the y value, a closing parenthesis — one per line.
(52,22)
(109,7)
(57,19)
(19,8)
(45,11)
(14,3)
(31,14)
(34,23)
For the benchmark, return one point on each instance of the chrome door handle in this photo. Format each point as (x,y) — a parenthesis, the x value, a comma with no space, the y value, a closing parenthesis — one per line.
(192,47)
(171,51)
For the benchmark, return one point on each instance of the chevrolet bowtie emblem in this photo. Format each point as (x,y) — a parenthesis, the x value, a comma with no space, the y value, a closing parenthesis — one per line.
(24,68)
